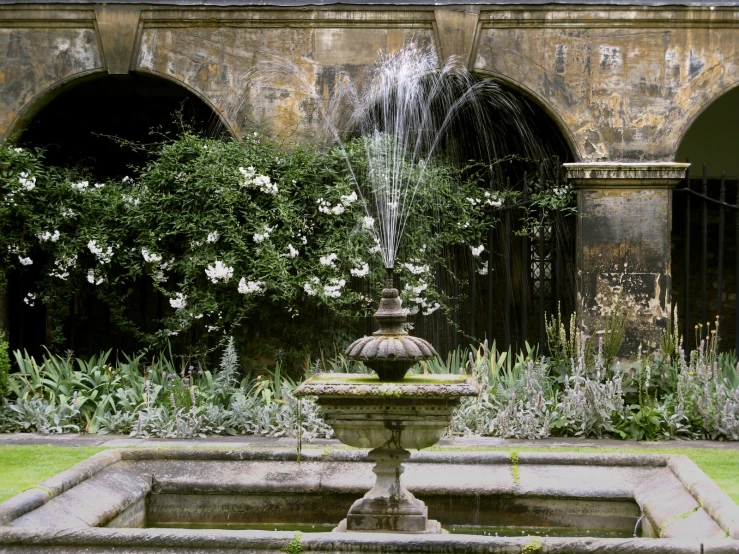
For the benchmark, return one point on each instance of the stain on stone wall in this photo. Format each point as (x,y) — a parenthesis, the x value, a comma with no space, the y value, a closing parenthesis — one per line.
(296,67)
(624,261)
(627,86)
(35,60)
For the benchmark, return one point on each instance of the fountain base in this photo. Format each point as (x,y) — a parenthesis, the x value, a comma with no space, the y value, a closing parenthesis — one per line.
(389,506)
(366,412)
(433,527)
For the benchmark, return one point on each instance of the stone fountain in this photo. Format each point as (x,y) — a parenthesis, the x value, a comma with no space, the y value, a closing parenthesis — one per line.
(389,413)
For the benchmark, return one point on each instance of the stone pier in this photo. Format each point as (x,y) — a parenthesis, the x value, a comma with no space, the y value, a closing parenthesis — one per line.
(623,246)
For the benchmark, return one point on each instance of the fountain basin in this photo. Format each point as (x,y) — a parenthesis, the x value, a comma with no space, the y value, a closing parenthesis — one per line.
(103,504)
(365,411)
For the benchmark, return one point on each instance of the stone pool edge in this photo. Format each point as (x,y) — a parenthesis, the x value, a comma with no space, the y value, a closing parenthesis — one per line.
(711,498)
(187,541)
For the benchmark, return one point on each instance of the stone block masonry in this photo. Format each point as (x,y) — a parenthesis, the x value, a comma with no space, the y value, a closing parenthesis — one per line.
(622,83)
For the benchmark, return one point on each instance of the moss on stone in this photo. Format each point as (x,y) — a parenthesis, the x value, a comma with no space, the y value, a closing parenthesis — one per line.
(357,379)
(392,392)
(677,518)
(295,546)
(514,468)
(532,547)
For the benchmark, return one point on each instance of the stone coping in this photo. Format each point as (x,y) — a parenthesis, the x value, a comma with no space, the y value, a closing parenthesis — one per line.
(367,386)
(626,175)
(672,491)
(216,541)
(359,3)
(260,441)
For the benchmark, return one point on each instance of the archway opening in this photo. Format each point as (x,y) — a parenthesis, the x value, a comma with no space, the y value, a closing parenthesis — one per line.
(100,124)
(501,289)
(530,273)
(705,230)
(94,123)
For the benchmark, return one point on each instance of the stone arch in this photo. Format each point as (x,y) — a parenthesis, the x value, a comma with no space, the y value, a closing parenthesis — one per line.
(707,135)
(228,123)
(30,108)
(70,120)
(46,96)
(540,103)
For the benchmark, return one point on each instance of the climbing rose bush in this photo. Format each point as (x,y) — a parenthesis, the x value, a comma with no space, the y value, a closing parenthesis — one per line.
(241,238)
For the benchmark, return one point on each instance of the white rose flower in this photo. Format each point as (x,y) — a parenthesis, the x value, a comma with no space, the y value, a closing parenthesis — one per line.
(333,290)
(416,269)
(310,286)
(102,253)
(179,301)
(328,261)
(361,270)
(93,279)
(349,199)
(47,236)
(26,182)
(150,257)
(431,309)
(219,272)
(251,287)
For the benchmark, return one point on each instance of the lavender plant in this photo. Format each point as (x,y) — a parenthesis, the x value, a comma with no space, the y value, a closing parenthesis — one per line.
(592,399)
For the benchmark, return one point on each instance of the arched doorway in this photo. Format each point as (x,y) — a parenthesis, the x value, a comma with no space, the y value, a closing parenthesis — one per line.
(705,231)
(504,293)
(89,123)
(94,123)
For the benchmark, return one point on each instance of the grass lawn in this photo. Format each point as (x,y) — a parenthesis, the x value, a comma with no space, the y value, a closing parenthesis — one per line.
(22,467)
(721,465)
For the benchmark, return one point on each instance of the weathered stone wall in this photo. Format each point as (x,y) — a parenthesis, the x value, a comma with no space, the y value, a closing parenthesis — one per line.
(623,83)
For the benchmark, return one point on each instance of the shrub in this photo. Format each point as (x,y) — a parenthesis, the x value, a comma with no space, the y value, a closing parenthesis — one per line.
(247,239)
(4,367)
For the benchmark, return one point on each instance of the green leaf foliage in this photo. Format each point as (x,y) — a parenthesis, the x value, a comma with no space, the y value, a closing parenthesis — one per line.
(249,239)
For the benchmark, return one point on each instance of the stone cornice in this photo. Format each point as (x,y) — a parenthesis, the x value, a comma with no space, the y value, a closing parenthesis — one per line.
(491,13)
(608,16)
(626,175)
(715,6)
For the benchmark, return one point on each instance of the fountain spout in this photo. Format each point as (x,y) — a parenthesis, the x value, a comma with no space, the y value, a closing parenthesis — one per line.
(390,351)
(390,275)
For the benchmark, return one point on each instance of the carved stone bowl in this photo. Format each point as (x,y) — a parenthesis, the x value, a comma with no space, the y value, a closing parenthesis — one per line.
(389,418)
(368,413)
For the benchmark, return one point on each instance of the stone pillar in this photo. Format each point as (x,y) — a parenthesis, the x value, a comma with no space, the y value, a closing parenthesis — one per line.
(623,246)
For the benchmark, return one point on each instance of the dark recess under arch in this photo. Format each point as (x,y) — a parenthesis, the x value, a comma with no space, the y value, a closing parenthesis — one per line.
(74,129)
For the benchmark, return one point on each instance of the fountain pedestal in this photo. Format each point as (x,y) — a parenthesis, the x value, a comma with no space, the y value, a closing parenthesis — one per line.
(390,418)
(389,506)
